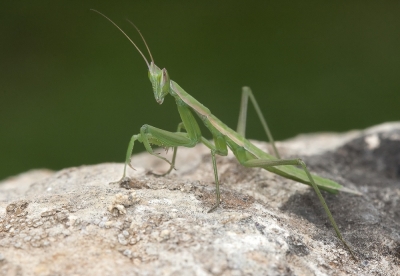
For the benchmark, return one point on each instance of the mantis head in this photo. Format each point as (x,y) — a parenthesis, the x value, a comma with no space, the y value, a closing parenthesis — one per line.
(159,78)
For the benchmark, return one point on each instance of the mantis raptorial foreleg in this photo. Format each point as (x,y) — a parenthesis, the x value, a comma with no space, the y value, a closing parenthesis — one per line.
(175,150)
(152,135)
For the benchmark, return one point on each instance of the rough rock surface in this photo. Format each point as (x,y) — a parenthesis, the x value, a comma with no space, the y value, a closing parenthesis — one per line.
(74,222)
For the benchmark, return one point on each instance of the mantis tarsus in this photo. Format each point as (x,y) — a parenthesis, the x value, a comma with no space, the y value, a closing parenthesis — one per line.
(224,137)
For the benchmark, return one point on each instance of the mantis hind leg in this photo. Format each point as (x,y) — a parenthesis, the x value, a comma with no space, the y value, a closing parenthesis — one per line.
(241,127)
(249,161)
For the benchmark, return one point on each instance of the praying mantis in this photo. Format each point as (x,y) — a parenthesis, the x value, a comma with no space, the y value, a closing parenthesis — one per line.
(223,137)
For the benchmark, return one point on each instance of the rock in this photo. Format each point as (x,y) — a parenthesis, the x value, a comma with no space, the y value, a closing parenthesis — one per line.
(74,222)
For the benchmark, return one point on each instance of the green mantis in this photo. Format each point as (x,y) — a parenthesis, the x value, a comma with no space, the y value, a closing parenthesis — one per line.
(223,137)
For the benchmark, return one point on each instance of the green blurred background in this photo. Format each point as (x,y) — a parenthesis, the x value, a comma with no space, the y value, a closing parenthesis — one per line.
(73,90)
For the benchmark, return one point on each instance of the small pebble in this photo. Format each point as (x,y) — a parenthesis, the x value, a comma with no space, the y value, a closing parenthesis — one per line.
(46,243)
(137,261)
(127,253)
(122,240)
(133,241)
(37,224)
(165,234)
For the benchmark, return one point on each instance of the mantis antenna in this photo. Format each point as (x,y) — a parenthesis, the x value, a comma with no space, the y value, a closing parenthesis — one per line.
(133,43)
(145,43)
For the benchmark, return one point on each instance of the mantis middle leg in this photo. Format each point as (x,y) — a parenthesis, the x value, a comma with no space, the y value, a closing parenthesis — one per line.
(218,148)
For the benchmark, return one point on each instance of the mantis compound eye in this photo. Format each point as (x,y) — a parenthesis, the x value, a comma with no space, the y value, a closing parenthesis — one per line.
(164,77)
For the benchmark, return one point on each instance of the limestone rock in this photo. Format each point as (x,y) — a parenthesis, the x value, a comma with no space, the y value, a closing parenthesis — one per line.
(74,222)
